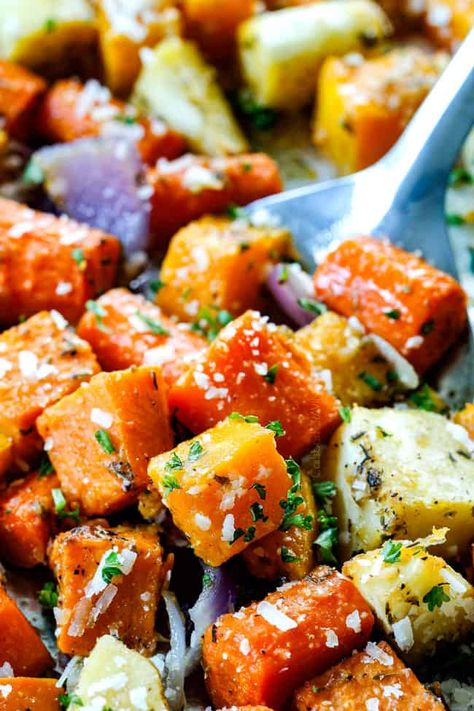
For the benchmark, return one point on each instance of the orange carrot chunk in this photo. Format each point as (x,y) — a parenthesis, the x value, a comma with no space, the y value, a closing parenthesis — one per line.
(260,654)
(252,368)
(109,582)
(21,693)
(193,186)
(21,645)
(27,519)
(41,360)
(49,262)
(375,675)
(133,331)
(418,309)
(20,92)
(213,23)
(102,436)
(74,110)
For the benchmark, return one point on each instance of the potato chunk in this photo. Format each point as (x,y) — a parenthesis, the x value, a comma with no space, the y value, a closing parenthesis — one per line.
(418,599)
(224,487)
(220,264)
(363,106)
(178,86)
(399,473)
(126,679)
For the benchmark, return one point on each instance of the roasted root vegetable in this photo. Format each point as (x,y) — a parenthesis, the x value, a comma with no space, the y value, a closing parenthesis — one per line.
(260,654)
(139,689)
(288,552)
(21,646)
(218,264)
(20,93)
(465,418)
(224,487)
(417,598)
(449,21)
(398,473)
(214,23)
(362,369)
(134,331)
(124,28)
(419,310)
(363,106)
(373,679)
(109,580)
(281,51)
(193,186)
(25,693)
(41,360)
(49,262)
(177,85)
(73,110)
(253,368)
(27,518)
(101,438)
(52,36)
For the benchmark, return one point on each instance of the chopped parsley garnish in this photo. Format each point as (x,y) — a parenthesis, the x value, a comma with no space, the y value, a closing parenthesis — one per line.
(261,117)
(324,490)
(325,542)
(48,596)
(238,533)
(50,25)
(383,433)
(206,580)
(459,176)
(257,512)
(60,506)
(271,374)
(66,700)
(287,556)
(154,326)
(33,174)
(392,313)
(196,450)
(276,427)
(392,551)
(294,471)
(283,278)
(392,376)
(424,399)
(250,534)
(293,501)
(169,483)
(243,418)
(155,285)
(104,441)
(435,597)
(78,256)
(99,313)
(371,381)
(260,489)
(45,467)
(126,119)
(454,219)
(345,413)
(173,463)
(210,321)
(236,213)
(112,567)
(313,306)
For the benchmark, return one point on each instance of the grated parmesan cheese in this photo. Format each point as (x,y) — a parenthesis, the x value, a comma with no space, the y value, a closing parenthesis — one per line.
(403,633)
(275,617)
(101,418)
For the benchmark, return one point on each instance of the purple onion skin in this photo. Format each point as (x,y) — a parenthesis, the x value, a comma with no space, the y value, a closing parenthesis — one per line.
(96,181)
(286,295)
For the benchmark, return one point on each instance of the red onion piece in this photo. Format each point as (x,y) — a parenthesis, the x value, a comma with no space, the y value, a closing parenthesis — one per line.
(288,283)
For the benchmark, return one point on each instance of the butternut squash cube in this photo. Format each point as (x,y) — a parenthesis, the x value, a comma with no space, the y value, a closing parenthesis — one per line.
(109,581)
(218,263)
(465,418)
(22,692)
(224,487)
(101,438)
(363,106)
(449,21)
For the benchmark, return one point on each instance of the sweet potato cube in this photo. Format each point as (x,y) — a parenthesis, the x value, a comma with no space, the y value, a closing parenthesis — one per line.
(449,21)
(109,581)
(20,91)
(260,654)
(254,369)
(375,675)
(287,552)
(418,309)
(21,645)
(27,519)
(359,370)
(49,262)
(214,23)
(219,263)
(41,360)
(363,106)
(224,488)
(102,437)
(133,331)
(28,694)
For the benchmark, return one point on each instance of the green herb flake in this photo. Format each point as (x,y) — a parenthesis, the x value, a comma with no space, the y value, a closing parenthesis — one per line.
(103,439)
(345,414)
(196,451)
(155,286)
(394,314)
(276,427)
(392,551)
(257,512)
(50,25)
(370,380)
(210,321)
(283,278)
(125,119)
(326,542)
(99,312)
(423,399)
(435,597)
(243,418)
(238,533)
(454,220)
(271,374)
(48,596)
(383,433)
(67,700)
(112,567)
(294,470)
(60,506)
(174,463)
(78,256)
(236,213)
(152,325)
(324,490)
(313,306)
(45,467)
(169,483)
(287,556)
(261,117)
(260,489)
(206,580)
(33,175)
(250,534)
(459,176)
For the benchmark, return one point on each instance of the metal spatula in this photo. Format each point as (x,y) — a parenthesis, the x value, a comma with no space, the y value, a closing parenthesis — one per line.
(401,197)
